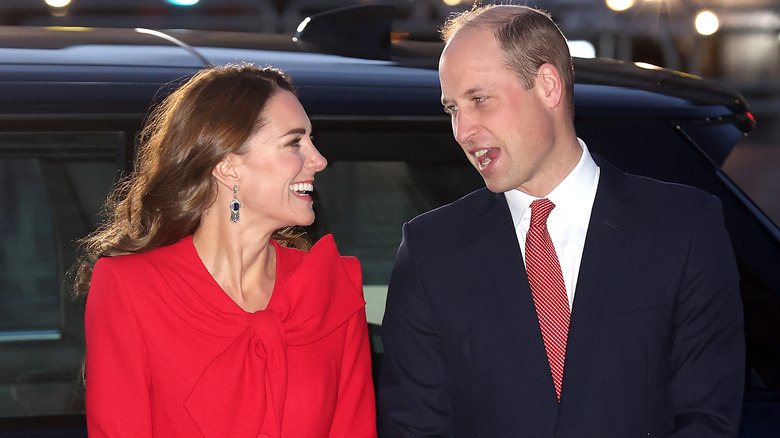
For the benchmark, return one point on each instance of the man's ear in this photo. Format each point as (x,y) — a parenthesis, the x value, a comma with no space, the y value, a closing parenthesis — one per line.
(550,84)
(225,171)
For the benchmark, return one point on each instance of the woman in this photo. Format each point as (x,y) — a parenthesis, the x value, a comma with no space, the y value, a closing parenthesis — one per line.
(200,321)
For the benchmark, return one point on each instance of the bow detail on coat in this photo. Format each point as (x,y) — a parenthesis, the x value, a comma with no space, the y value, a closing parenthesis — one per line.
(242,391)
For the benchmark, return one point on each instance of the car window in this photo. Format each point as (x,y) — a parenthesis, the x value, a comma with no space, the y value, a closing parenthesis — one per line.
(28,259)
(379,177)
(52,186)
(365,203)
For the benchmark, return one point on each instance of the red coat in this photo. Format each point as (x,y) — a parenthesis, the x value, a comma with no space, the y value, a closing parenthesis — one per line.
(169,354)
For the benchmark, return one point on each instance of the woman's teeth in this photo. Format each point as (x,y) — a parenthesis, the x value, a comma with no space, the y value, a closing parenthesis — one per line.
(302,188)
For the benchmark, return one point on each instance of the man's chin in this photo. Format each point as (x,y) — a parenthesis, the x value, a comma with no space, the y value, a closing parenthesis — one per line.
(497,188)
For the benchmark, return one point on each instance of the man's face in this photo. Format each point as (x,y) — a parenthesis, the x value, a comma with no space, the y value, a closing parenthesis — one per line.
(506,131)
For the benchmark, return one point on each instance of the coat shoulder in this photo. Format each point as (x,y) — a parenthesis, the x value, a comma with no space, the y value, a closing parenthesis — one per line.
(653,197)
(460,212)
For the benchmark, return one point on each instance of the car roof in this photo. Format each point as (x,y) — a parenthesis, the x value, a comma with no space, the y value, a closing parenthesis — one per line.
(39,62)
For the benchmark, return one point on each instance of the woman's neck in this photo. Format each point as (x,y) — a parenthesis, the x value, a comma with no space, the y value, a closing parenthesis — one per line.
(241,261)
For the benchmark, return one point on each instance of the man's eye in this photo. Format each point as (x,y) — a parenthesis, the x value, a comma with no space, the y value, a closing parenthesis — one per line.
(479,99)
(450,109)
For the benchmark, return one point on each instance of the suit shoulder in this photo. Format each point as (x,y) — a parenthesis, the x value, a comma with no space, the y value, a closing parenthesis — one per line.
(650,192)
(666,204)
(457,211)
(674,196)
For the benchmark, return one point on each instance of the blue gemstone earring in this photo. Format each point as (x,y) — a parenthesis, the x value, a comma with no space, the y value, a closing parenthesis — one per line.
(234,206)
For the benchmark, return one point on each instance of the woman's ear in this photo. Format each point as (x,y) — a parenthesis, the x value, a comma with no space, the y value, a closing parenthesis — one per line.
(551,85)
(225,171)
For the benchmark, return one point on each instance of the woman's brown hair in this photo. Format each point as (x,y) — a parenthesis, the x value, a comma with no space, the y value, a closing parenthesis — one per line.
(191,131)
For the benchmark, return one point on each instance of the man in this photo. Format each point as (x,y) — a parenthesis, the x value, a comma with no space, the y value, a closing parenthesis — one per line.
(618,315)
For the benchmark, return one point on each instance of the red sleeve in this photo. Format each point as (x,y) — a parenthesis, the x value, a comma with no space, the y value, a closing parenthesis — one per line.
(355,412)
(117,374)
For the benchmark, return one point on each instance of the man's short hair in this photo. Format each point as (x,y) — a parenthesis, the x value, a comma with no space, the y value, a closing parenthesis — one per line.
(527,38)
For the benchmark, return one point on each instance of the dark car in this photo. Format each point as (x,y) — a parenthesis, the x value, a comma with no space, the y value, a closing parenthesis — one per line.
(72,101)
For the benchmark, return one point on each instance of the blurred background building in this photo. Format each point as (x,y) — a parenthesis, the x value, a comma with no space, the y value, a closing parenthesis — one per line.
(736,42)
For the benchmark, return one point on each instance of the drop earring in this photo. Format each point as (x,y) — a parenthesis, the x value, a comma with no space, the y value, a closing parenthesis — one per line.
(234,206)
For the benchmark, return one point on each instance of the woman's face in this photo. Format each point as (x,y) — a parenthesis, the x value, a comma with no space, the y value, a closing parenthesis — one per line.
(276,176)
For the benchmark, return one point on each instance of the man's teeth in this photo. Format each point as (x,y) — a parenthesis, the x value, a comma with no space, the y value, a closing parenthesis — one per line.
(482,161)
(302,188)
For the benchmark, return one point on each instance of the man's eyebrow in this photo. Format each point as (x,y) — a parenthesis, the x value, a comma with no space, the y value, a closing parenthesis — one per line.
(470,92)
(474,90)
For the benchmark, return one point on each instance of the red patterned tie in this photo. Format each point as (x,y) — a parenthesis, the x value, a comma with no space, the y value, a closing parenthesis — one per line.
(548,289)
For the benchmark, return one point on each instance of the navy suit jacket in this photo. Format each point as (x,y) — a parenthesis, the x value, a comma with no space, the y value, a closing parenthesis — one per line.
(655,345)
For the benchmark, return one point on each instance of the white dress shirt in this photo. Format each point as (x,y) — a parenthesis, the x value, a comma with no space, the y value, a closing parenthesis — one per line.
(568,221)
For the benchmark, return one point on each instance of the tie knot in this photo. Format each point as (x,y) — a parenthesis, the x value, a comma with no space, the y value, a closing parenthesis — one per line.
(540,209)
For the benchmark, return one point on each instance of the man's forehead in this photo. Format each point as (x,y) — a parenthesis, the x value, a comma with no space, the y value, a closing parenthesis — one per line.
(470,35)
(467,61)
(469,48)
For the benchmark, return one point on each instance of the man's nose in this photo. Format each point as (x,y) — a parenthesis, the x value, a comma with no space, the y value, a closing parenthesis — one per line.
(463,126)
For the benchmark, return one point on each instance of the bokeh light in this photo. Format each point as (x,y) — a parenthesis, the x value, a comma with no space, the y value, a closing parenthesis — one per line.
(706,22)
(183,2)
(582,49)
(58,3)
(619,5)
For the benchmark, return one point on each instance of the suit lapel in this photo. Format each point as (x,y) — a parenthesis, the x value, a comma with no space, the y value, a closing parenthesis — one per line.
(508,283)
(509,286)
(604,235)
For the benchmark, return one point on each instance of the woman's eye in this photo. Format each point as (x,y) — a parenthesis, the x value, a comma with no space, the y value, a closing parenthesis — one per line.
(480,99)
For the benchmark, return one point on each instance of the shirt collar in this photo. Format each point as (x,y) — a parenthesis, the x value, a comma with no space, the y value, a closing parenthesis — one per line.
(571,197)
